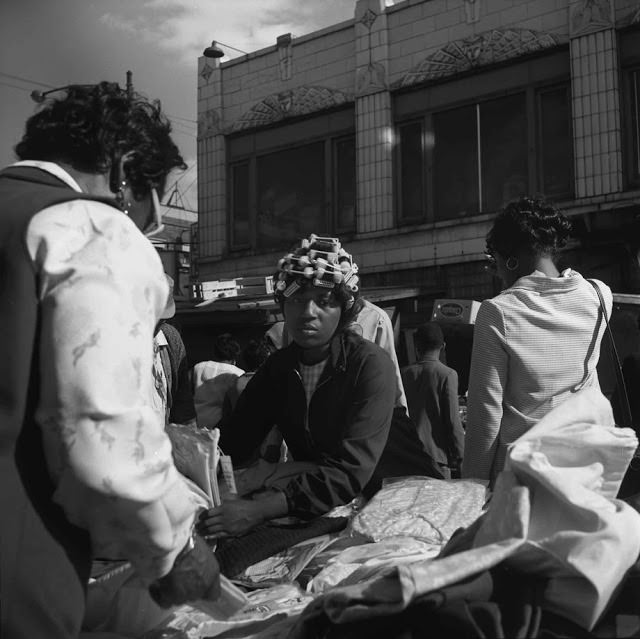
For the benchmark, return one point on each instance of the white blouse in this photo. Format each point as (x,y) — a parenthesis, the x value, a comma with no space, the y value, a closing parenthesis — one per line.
(101,293)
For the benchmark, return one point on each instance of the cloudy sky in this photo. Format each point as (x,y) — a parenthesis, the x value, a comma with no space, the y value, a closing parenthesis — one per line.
(50,43)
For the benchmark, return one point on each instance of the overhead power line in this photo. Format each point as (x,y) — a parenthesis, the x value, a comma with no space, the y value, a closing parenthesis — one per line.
(13,86)
(50,86)
(177,117)
(23,79)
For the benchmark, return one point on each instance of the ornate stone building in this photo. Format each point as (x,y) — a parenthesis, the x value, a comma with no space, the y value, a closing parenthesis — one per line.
(404,129)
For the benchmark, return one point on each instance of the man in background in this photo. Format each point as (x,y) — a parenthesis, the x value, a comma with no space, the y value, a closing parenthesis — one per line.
(432,396)
(213,379)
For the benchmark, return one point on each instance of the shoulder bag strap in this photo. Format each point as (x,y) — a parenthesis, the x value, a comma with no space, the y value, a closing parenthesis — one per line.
(622,388)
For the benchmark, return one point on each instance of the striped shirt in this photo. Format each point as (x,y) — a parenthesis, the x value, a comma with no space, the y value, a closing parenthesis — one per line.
(534,345)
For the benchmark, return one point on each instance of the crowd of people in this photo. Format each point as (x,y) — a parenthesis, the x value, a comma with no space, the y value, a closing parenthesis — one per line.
(94,371)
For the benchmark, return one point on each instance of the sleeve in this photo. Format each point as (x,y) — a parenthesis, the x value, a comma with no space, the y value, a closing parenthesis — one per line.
(487,380)
(451,417)
(182,407)
(341,474)
(386,340)
(101,291)
(244,429)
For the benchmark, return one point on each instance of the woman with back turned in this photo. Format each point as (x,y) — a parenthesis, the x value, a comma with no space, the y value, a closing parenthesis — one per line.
(535,343)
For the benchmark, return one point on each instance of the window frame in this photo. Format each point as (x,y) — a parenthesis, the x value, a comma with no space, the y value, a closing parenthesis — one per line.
(538,179)
(342,231)
(631,138)
(629,56)
(248,146)
(402,220)
(531,76)
(250,164)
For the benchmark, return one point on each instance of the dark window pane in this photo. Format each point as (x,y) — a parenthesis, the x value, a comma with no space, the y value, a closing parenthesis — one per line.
(411,172)
(556,157)
(455,163)
(345,173)
(290,195)
(503,140)
(240,204)
(635,124)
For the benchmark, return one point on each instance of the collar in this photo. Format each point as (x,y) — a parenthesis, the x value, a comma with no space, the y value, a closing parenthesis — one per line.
(53,169)
(539,282)
(337,353)
(160,339)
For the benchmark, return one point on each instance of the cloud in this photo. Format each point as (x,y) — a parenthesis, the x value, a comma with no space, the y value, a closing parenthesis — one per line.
(185,27)
(181,29)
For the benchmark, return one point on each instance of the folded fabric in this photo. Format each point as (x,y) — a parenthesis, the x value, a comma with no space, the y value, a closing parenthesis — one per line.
(421,507)
(578,535)
(551,515)
(358,563)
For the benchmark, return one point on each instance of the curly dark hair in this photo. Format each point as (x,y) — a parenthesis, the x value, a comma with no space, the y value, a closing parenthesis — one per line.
(530,225)
(93,126)
(225,348)
(256,353)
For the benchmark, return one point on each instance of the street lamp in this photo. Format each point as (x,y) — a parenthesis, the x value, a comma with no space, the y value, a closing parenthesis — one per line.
(39,96)
(214,51)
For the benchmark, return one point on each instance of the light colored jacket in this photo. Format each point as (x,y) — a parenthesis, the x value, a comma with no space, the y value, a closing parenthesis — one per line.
(534,345)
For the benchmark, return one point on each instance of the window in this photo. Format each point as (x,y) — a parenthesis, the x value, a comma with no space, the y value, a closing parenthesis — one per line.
(344,154)
(240,204)
(481,157)
(629,51)
(290,188)
(411,171)
(288,181)
(460,155)
(555,143)
(632,100)
(455,162)
(504,168)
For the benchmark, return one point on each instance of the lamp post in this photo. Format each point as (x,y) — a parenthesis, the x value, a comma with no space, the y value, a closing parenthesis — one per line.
(214,51)
(39,96)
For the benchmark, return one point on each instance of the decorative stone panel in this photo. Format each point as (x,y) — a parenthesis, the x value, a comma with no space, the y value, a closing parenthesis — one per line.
(477,51)
(287,104)
(285,56)
(591,16)
(209,123)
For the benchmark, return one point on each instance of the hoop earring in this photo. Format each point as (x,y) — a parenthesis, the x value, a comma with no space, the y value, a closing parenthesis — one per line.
(512,264)
(120,198)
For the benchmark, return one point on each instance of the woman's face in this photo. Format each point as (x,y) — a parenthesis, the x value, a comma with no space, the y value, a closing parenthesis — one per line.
(312,316)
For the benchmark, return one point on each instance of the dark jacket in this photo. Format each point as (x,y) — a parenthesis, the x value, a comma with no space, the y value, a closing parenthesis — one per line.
(344,430)
(176,369)
(432,397)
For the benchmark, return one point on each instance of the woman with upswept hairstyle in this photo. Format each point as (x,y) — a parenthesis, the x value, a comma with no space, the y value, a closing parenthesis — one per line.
(535,343)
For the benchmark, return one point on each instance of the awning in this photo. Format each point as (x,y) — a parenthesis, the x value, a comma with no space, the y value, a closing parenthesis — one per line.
(380,295)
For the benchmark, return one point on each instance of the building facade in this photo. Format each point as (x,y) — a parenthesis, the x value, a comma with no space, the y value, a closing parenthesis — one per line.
(403,130)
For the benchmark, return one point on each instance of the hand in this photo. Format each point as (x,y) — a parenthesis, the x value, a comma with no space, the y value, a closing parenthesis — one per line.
(195,575)
(232,518)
